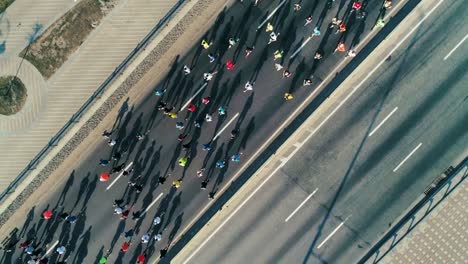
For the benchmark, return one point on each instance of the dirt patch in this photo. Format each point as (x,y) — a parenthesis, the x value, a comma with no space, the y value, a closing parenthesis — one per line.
(13,95)
(4,4)
(50,50)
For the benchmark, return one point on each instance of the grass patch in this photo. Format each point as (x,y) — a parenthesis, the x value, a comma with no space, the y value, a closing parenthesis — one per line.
(4,4)
(13,95)
(50,50)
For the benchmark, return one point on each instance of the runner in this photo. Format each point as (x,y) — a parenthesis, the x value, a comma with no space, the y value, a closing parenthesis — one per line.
(211,57)
(71,219)
(318,55)
(172,115)
(191,107)
(157,220)
(47,214)
(341,28)
(180,125)
(220,164)
(232,42)
(248,86)
(107,135)
(222,111)
(200,172)
(176,184)
(335,22)
(278,54)
(161,180)
(204,184)
(248,51)
(61,250)
(158,236)
(273,37)
(278,67)
(286,74)
(208,76)
(206,147)
(307,82)
(340,47)
(205,44)
(141,258)
(234,133)
(297,7)
(145,238)
(269,27)
(308,20)
(186,70)
(288,96)
(206,100)
(351,53)
(160,92)
(316,32)
(230,65)
(111,142)
(125,246)
(236,157)
(103,162)
(127,172)
(183,161)
(181,137)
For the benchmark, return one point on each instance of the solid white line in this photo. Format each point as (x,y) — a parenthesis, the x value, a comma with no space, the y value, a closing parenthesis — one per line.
(281,127)
(224,128)
(152,203)
(407,157)
(383,121)
(272,13)
(299,207)
(50,249)
(456,47)
(332,233)
(301,47)
(118,177)
(195,95)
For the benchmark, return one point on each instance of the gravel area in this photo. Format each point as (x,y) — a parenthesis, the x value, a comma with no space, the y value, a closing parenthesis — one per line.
(108,106)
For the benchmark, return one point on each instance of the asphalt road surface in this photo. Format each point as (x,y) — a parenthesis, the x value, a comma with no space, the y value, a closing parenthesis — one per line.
(255,113)
(396,134)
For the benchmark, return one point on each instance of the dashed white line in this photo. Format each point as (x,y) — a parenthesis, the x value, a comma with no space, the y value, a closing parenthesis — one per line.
(301,47)
(456,47)
(272,13)
(193,96)
(332,233)
(118,177)
(407,157)
(383,121)
(50,249)
(224,128)
(152,203)
(299,207)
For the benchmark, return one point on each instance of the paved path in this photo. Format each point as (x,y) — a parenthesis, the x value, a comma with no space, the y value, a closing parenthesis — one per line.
(24,18)
(77,79)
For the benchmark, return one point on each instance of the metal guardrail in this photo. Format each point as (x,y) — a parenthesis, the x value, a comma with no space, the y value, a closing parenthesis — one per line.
(75,117)
(446,180)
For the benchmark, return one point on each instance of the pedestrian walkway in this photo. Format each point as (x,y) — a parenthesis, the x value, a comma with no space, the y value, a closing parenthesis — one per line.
(104,49)
(25,18)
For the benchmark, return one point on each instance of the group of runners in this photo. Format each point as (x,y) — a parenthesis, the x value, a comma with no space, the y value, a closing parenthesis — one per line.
(122,210)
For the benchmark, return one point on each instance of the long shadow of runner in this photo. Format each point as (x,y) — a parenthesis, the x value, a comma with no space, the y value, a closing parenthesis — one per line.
(177,225)
(27,222)
(65,190)
(82,251)
(118,232)
(175,204)
(121,114)
(83,186)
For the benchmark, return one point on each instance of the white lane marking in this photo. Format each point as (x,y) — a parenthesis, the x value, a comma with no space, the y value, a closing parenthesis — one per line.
(332,233)
(272,13)
(383,121)
(301,47)
(118,177)
(50,249)
(299,207)
(456,47)
(193,96)
(283,125)
(152,203)
(407,157)
(224,128)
